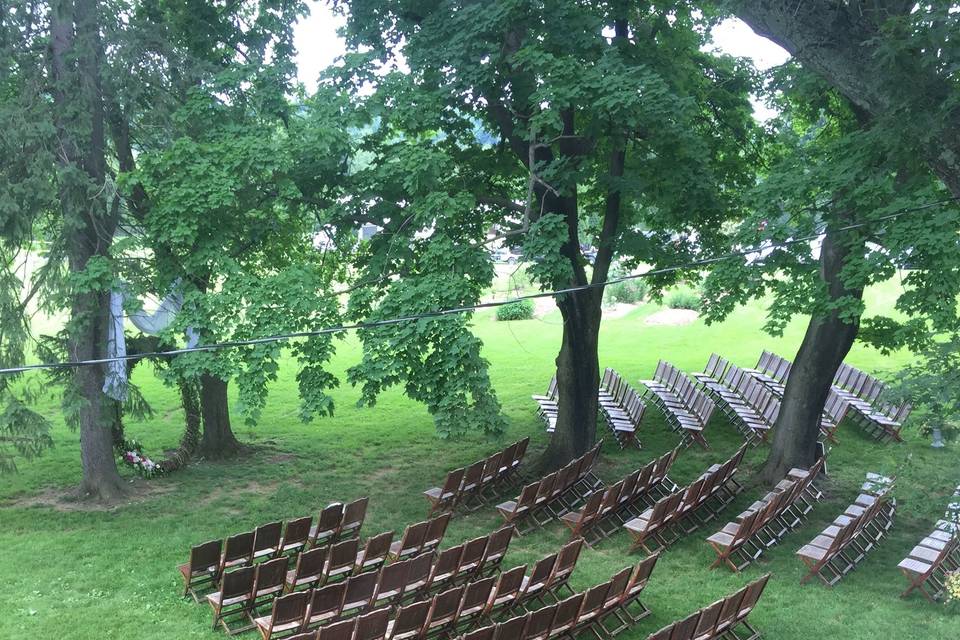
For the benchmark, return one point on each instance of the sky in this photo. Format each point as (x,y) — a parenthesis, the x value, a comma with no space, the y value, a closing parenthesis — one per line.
(318,46)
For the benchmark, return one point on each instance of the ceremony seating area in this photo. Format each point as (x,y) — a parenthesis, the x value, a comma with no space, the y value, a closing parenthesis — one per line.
(474,486)
(687,408)
(685,510)
(554,495)
(722,619)
(604,611)
(844,544)
(864,393)
(747,403)
(457,604)
(622,408)
(209,560)
(767,521)
(605,511)
(927,564)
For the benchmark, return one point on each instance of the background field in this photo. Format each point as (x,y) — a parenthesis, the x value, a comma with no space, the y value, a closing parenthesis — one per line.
(74,573)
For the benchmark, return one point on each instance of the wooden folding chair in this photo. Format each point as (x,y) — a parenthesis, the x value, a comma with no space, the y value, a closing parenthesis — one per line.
(443,612)
(513,511)
(288,615)
(562,570)
(325,604)
(234,599)
(237,551)
(328,525)
(203,568)
(506,591)
(541,620)
(496,549)
(359,594)
(591,607)
(436,529)
(532,586)
(483,633)
(566,616)
(411,543)
(474,602)
(513,628)
(341,560)
(343,630)
(353,516)
(270,581)
(390,587)
(308,570)
(418,575)
(445,568)
(473,553)
(409,621)
(266,540)
(373,626)
(374,553)
(296,535)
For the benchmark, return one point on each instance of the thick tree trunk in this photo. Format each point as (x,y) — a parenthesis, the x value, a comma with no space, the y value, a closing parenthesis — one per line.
(578,378)
(79,118)
(218,440)
(844,44)
(825,345)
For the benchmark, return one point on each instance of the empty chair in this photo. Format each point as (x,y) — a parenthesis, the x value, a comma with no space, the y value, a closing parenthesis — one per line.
(409,621)
(418,574)
(507,590)
(373,626)
(203,568)
(443,612)
(476,595)
(445,568)
(308,570)
(374,553)
(234,598)
(342,630)
(483,633)
(326,603)
(513,628)
(295,535)
(237,551)
(566,562)
(287,615)
(567,612)
(470,561)
(411,543)
(359,594)
(533,585)
(353,516)
(445,497)
(328,525)
(436,529)
(541,620)
(390,587)
(266,540)
(341,560)
(271,580)
(496,550)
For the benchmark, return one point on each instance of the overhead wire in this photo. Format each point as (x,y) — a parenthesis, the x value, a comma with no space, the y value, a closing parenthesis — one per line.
(439,313)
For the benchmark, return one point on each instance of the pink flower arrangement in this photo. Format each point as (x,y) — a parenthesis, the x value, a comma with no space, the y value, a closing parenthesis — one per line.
(131,453)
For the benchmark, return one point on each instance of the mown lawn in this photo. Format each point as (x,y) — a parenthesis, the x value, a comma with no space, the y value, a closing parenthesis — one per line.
(82,574)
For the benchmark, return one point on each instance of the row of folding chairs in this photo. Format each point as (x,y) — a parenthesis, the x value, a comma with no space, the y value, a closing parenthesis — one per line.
(604,610)
(209,560)
(622,408)
(605,511)
(473,486)
(726,617)
(684,510)
(687,408)
(772,371)
(765,523)
(403,580)
(864,392)
(456,609)
(547,405)
(845,543)
(554,495)
(749,405)
(927,564)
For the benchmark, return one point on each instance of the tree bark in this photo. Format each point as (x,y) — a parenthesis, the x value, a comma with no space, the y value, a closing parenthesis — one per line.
(75,54)
(826,343)
(218,440)
(843,43)
(578,378)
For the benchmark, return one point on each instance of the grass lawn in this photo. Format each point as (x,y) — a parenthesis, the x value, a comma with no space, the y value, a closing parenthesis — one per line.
(80,574)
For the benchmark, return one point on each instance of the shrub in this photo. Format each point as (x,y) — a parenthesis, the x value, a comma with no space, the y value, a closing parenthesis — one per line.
(684,300)
(519,310)
(627,292)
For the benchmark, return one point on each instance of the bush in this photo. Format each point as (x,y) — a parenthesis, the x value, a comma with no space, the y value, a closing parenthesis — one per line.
(519,310)
(684,300)
(627,292)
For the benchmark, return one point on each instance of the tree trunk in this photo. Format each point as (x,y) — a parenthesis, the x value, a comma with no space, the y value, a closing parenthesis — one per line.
(845,45)
(578,378)
(218,440)
(825,345)
(75,51)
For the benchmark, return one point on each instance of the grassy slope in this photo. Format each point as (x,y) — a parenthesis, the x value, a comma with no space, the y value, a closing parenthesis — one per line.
(88,575)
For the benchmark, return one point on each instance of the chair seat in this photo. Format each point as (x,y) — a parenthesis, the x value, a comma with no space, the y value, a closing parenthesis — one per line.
(721,539)
(214,599)
(264,623)
(914,566)
(812,552)
(434,493)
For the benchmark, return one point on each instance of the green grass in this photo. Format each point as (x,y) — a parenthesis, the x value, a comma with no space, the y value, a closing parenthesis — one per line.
(111,574)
